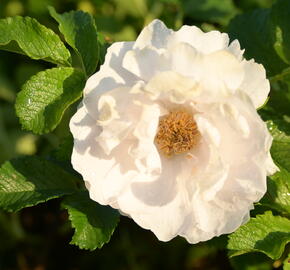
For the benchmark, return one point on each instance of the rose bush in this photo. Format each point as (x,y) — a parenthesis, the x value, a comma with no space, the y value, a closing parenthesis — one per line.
(168,132)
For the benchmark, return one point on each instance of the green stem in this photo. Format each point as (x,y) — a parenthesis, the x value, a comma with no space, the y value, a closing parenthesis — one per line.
(280,77)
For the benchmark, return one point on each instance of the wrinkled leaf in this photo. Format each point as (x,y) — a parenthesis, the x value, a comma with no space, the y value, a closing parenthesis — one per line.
(265,233)
(80,32)
(278,190)
(44,98)
(28,181)
(27,36)
(93,223)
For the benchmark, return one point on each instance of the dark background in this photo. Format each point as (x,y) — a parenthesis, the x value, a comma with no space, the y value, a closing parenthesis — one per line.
(38,238)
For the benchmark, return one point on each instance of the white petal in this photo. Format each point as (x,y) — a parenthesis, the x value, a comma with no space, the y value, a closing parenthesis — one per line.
(221,205)
(186,60)
(111,75)
(215,217)
(204,42)
(208,131)
(255,83)
(200,194)
(144,151)
(146,63)
(218,73)
(235,49)
(241,144)
(155,34)
(172,87)
(161,205)
(222,69)
(271,166)
(105,176)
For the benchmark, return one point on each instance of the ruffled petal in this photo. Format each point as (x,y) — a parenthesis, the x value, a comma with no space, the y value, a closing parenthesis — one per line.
(235,49)
(155,34)
(217,73)
(205,192)
(171,87)
(215,217)
(238,173)
(146,63)
(255,83)
(205,43)
(153,204)
(111,75)
(104,174)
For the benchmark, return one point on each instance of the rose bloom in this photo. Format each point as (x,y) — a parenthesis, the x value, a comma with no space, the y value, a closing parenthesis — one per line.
(168,133)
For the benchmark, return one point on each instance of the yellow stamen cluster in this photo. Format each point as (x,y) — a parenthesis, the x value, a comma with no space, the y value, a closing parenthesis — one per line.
(177,133)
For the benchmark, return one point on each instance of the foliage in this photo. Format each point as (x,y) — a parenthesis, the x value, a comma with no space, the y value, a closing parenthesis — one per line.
(93,223)
(53,86)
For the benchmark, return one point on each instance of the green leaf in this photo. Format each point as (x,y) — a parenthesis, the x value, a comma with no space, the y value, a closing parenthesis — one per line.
(280,149)
(278,190)
(64,150)
(251,261)
(281,26)
(103,46)
(279,103)
(28,181)
(216,11)
(80,33)
(44,98)
(94,224)
(265,233)
(286,263)
(27,36)
(255,34)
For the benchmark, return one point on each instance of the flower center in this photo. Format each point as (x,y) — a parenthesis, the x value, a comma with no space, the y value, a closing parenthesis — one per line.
(177,133)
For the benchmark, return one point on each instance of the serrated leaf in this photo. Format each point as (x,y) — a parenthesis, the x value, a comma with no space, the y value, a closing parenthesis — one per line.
(80,32)
(31,180)
(94,224)
(278,190)
(265,233)
(44,98)
(27,36)
(255,34)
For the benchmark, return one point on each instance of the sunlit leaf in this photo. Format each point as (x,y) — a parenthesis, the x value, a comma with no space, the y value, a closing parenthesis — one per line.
(44,98)
(93,223)
(80,33)
(265,233)
(28,181)
(27,36)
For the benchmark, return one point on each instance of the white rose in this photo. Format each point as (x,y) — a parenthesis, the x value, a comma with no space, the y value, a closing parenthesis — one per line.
(168,133)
